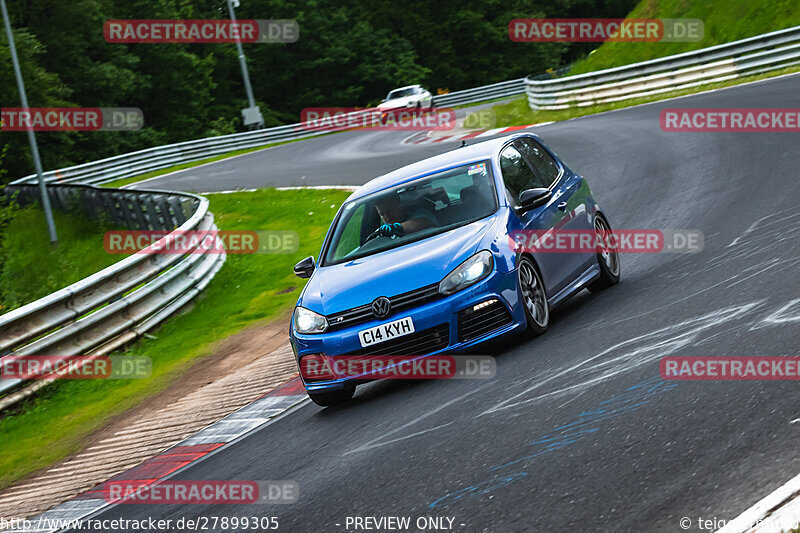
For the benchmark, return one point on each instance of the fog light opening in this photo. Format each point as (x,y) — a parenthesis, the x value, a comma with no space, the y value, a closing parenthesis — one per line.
(481,305)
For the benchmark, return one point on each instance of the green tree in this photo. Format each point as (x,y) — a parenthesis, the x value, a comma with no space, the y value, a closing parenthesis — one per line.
(350,53)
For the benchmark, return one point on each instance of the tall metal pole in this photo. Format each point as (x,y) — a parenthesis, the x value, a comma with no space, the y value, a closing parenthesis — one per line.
(48,214)
(243,63)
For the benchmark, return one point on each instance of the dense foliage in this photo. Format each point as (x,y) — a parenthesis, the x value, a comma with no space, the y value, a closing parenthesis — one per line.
(349,53)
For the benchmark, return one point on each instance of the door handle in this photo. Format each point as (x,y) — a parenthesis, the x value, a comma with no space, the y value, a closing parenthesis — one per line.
(562,206)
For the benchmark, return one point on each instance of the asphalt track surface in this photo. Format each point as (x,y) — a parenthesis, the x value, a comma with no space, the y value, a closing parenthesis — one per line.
(577,432)
(347,158)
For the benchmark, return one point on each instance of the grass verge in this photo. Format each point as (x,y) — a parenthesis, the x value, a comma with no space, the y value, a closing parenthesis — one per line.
(518,113)
(32,268)
(248,289)
(724,21)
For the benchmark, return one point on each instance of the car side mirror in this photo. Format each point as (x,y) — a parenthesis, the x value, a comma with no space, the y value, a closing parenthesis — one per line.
(304,268)
(533,198)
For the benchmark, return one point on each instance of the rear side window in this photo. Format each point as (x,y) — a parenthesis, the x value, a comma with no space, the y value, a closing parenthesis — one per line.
(517,174)
(542,162)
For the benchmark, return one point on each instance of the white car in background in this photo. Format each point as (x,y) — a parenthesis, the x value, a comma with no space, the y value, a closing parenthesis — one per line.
(410,97)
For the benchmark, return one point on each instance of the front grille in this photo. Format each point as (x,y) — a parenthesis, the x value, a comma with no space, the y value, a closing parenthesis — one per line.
(363,313)
(418,343)
(473,323)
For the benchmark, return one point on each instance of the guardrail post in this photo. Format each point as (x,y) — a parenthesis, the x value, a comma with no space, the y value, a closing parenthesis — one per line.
(150,216)
(124,210)
(168,222)
(112,209)
(176,210)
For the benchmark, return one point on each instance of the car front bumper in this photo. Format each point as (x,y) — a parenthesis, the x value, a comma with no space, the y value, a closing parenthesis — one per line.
(444,311)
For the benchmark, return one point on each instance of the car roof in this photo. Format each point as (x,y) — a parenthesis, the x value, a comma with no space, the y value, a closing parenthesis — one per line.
(453,158)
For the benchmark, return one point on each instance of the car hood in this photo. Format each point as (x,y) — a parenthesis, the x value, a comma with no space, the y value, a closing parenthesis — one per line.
(398,102)
(336,288)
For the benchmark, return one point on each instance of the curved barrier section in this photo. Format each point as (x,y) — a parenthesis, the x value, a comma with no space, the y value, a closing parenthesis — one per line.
(105,311)
(682,71)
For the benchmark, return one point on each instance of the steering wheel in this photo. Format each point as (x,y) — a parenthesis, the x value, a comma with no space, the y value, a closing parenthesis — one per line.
(374,234)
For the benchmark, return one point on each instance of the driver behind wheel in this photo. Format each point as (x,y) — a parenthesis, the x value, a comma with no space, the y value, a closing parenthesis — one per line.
(401,218)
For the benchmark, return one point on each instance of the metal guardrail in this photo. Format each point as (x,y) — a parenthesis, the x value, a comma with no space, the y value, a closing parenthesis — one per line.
(753,55)
(480,94)
(493,91)
(143,161)
(105,311)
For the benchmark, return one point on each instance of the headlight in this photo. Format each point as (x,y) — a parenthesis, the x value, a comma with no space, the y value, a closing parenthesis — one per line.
(468,273)
(307,321)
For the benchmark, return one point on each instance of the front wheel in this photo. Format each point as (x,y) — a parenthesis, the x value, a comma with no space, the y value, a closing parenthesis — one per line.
(330,398)
(607,256)
(534,297)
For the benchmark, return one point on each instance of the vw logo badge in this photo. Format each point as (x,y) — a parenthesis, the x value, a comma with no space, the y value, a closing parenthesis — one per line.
(381,307)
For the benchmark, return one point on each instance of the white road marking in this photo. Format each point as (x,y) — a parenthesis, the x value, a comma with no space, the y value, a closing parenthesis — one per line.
(660,342)
(771,514)
(491,132)
(375,443)
(783,315)
(755,224)
(229,191)
(319,187)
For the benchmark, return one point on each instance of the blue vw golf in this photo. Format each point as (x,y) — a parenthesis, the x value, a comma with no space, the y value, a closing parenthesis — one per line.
(421,261)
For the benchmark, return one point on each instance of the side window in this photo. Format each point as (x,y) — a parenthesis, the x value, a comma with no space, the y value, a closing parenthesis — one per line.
(544,164)
(517,174)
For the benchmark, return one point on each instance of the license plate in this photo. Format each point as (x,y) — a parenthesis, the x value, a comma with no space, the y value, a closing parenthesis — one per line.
(385,332)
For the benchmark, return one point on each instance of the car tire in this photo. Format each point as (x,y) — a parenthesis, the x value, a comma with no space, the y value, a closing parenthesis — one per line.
(331,398)
(608,260)
(533,297)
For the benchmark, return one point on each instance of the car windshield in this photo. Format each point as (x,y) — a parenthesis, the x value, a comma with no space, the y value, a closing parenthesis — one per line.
(400,93)
(411,212)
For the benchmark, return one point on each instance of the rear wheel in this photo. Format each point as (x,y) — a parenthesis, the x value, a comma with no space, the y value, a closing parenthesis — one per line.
(330,398)
(607,256)
(533,297)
